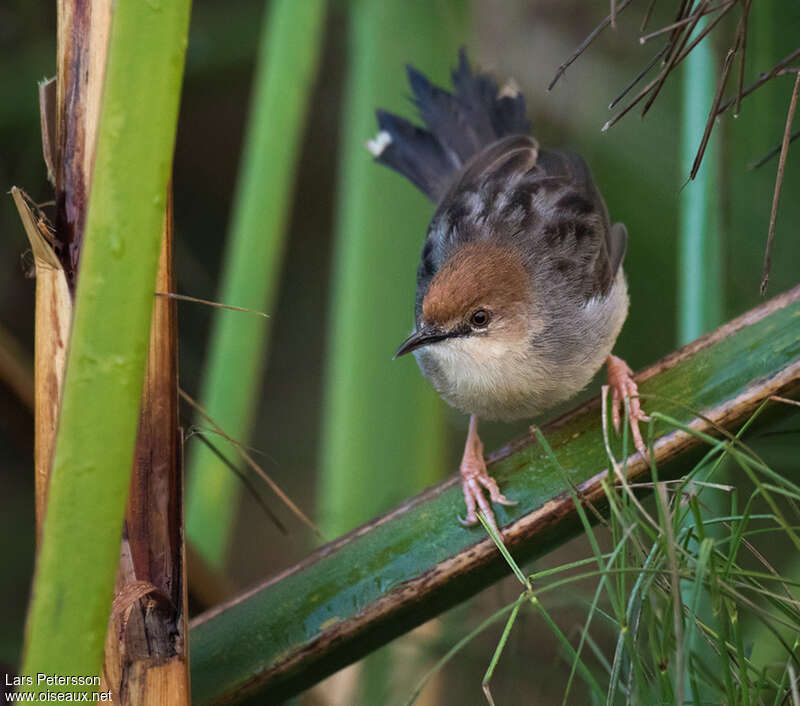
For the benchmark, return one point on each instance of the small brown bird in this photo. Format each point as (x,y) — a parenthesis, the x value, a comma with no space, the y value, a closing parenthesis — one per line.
(520,289)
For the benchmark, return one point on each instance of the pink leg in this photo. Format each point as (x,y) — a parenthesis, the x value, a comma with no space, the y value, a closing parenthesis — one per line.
(475,478)
(620,379)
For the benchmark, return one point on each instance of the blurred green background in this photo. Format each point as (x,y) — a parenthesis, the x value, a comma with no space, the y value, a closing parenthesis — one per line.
(346,432)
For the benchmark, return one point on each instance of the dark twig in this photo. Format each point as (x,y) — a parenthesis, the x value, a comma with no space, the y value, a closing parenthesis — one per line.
(778,182)
(244,480)
(685,20)
(742,30)
(641,75)
(656,82)
(196,300)
(712,114)
(677,34)
(684,9)
(613,121)
(700,37)
(251,462)
(762,79)
(647,14)
(767,157)
(585,43)
(613,14)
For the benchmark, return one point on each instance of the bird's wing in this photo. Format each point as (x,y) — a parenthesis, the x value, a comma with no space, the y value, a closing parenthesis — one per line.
(572,227)
(500,165)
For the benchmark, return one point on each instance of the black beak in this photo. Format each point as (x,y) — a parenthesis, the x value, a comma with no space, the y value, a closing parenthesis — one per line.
(420,338)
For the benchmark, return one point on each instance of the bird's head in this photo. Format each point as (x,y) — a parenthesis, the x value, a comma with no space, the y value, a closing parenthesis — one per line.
(479,303)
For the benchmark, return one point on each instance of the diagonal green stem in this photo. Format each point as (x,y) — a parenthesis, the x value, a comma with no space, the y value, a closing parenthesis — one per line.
(392,574)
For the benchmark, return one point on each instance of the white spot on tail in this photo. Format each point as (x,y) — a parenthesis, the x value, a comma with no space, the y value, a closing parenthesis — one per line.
(509,90)
(382,140)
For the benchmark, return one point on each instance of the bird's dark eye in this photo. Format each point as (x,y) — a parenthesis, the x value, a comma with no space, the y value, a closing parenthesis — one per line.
(479,318)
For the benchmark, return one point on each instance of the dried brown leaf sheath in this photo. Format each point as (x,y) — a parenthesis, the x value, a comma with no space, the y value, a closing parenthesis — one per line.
(145,659)
(53,321)
(83,31)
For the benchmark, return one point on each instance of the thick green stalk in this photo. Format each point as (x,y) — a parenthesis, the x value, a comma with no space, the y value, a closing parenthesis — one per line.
(79,553)
(382,430)
(700,290)
(700,283)
(288,57)
(401,569)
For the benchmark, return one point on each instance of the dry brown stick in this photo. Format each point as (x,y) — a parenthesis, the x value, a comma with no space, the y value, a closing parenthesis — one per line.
(615,119)
(682,52)
(645,38)
(712,114)
(704,33)
(679,37)
(762,79)
(742,29)
(655,86)
(777,192)
(648,13)
(683,10)
(640,76)
(243,479)
(784,400)
(584,44)
(252,463)
(208,302)
(613,14)
(761,162)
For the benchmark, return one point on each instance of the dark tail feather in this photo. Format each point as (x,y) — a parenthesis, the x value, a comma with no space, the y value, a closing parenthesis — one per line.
(413,152)
(458,126)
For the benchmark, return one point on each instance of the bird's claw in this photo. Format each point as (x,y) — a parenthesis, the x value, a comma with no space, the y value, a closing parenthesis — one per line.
(475,479)
(623,386)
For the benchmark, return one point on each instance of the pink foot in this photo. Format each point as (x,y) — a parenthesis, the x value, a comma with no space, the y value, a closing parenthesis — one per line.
(475,479)
(620,379)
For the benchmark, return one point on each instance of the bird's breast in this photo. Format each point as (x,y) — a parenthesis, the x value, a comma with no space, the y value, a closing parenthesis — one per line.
(494,380)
